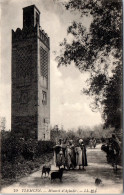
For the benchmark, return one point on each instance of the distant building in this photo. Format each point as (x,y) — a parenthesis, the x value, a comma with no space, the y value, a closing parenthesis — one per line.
(31,78)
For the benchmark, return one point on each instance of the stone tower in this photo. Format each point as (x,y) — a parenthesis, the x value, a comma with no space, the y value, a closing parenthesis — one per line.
(31,78)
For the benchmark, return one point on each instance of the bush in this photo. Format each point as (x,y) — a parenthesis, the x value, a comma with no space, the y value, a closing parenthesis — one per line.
(20,157)
(45,147)
(12,148)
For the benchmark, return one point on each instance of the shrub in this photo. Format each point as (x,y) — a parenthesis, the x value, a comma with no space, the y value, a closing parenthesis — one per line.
(20,157)
(45,147)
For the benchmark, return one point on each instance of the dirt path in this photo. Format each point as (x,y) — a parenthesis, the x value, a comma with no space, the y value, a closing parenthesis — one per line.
(75,181)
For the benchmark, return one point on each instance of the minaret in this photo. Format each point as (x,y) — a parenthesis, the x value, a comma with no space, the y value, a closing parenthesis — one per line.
(31,78)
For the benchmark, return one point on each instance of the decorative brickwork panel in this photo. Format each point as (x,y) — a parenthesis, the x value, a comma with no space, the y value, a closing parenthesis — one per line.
(44,63)
(23,65)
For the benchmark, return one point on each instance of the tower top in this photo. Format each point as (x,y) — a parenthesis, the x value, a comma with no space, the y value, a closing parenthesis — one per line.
(31,7)
(31,16)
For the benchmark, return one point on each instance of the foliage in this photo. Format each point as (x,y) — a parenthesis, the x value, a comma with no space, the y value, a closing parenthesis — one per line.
(113,100)
(55,134)
(82,132)
(20,157)
(45,147)
(21,167)
(98,51)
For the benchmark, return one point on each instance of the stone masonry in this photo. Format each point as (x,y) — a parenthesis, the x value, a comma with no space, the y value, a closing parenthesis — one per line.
(31,78)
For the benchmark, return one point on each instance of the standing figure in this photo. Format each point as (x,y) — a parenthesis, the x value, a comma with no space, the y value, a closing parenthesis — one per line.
(60,159)
(94,142)
(73,156)
(116,150)
(68,157)
(78,152)
(84,155)
(81,157)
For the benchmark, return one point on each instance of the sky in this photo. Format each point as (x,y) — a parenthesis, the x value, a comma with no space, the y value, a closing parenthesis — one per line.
(69,107)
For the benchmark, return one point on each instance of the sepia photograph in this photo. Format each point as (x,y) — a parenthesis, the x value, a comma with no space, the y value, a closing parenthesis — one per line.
(61,100)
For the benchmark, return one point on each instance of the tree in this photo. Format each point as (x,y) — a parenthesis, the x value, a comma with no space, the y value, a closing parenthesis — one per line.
(98,50)
(112,101)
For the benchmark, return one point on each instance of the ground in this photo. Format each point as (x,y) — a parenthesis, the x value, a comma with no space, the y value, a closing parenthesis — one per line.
(75,181)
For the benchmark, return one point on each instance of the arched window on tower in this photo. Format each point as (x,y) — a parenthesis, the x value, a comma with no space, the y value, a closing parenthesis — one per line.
(44,97)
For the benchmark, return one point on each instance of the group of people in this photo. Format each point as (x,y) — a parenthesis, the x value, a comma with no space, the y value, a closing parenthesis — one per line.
(70,155)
